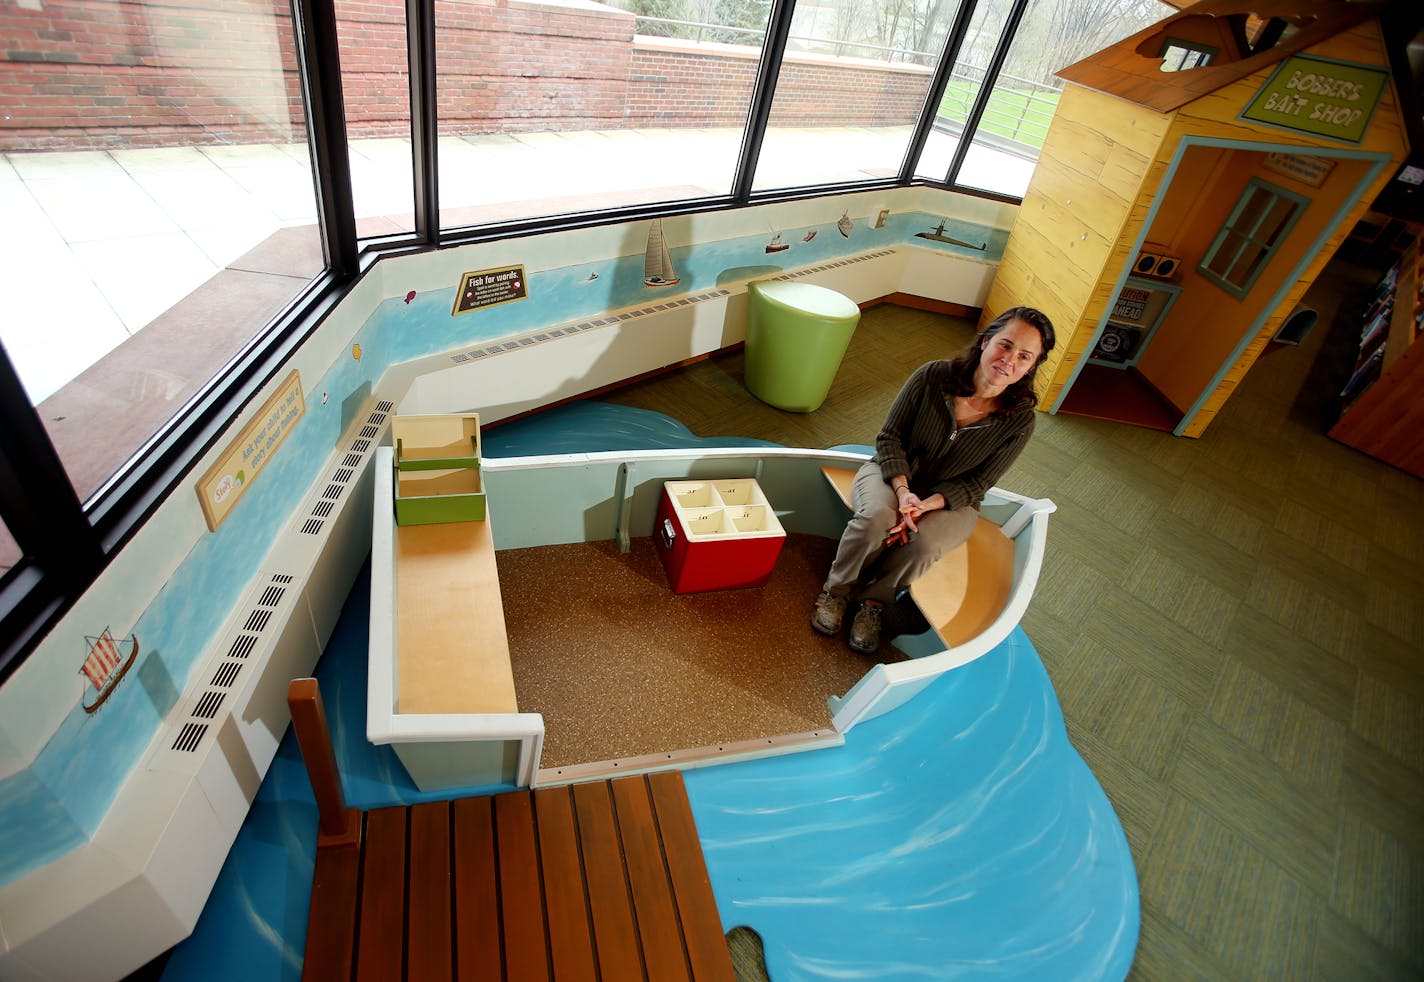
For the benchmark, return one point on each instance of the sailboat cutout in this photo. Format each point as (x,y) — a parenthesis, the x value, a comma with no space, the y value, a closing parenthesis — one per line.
(105,666)
(657,264)
(844,224)
(938,236)
(776,245)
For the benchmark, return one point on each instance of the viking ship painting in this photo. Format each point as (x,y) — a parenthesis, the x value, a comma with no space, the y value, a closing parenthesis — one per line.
(657,264)
(105,666)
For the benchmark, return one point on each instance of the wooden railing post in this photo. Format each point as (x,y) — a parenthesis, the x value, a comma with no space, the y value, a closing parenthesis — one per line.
(338,825)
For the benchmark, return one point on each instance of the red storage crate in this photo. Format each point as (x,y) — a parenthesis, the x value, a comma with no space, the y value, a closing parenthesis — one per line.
(716,535)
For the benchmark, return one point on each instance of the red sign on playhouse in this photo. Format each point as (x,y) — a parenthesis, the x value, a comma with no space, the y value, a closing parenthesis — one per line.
(489,288)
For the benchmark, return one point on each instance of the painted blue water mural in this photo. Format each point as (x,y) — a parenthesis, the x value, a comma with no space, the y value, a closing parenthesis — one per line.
(959,837)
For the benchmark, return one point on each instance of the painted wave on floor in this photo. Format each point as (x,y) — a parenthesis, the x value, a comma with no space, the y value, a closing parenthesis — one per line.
(961,836)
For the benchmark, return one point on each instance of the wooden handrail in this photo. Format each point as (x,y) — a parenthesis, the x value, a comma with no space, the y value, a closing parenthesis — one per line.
(337,824)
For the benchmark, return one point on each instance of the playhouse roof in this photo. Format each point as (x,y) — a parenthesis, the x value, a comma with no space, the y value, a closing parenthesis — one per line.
(1132,68)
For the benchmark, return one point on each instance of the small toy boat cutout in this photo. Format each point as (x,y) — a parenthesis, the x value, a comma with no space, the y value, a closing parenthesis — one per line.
(105,666)
(776,245)
(809,236)
(843,224)
(657,264)
(938,236)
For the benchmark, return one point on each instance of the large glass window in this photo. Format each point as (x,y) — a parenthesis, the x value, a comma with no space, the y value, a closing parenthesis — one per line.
(550,108)
(1024,93)
(159,209)
(375,90)
(852,84)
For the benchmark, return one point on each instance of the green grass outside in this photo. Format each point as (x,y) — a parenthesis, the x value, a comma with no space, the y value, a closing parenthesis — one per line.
(1015,115)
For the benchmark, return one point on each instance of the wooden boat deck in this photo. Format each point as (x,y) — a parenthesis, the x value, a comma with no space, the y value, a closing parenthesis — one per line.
(598,880)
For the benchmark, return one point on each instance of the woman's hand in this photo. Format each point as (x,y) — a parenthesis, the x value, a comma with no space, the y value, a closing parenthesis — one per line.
(912,508)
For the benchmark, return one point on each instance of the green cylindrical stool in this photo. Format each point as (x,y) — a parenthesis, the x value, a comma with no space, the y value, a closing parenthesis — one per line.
(797,334)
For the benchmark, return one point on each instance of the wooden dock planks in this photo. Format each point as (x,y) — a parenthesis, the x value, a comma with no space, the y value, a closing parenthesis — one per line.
(603,880)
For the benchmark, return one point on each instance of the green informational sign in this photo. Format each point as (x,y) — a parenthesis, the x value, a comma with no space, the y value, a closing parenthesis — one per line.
(1314,95)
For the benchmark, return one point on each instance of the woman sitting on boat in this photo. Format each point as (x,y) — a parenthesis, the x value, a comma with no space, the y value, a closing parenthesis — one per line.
(953,430)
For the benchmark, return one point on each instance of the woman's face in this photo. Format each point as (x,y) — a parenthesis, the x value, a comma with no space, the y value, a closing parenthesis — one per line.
(1009,355)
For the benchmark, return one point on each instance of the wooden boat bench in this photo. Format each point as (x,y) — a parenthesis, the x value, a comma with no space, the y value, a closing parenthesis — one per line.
(451,648)
(966,590)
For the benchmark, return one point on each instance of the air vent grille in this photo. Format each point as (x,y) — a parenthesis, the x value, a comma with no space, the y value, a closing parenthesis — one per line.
(209,705)
(548,334)
(226,675)
(850,261)
(229,667)
(190,736)
(242,647)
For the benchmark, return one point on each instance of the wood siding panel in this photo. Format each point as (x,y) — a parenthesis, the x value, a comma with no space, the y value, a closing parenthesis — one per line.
(615,934)
(570,934)
(380,954)
(692,888)
(658,929)
(526,944)
(477,941)
(1120,122)
(429,949)
(331,923)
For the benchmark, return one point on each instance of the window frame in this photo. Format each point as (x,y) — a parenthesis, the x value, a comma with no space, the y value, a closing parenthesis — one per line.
(1276,193)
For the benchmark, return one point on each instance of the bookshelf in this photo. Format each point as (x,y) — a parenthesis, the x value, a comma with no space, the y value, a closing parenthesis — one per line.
(1383,400)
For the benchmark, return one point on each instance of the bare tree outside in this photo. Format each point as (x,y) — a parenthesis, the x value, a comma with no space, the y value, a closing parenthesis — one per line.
(1058,33)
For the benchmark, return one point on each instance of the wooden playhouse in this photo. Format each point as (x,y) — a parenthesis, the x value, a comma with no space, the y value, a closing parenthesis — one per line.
(1195,180)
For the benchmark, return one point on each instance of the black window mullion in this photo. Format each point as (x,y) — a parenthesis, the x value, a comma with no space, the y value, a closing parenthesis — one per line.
(986,88)
(314,28)
(59,550)
(37,499)
(944,71)
(778,29)
(424,121)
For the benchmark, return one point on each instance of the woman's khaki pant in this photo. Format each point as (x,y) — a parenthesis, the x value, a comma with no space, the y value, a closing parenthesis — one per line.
(864,567)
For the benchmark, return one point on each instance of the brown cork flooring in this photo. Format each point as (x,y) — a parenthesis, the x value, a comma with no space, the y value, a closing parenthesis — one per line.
(621,667)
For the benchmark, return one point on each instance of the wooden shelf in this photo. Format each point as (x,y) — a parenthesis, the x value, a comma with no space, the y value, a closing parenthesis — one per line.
(1385,419)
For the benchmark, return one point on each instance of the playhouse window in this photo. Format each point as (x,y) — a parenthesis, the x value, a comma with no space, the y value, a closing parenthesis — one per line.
(1180,56)
(1258,225)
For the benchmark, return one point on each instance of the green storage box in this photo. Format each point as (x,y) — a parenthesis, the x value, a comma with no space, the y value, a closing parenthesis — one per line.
(436,471)
(797,334)
(425,497)
(436,442)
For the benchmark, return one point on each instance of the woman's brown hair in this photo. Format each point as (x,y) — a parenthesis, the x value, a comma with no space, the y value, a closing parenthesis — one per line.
(959,378)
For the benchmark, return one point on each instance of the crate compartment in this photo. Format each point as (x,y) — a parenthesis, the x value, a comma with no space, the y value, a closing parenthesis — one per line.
(739,491)
(750,520)
(438,442)
(425,497)
(703,523)
(714,544)
(692,494)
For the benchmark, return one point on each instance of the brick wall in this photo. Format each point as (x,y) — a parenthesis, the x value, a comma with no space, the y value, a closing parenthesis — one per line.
(98,74)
